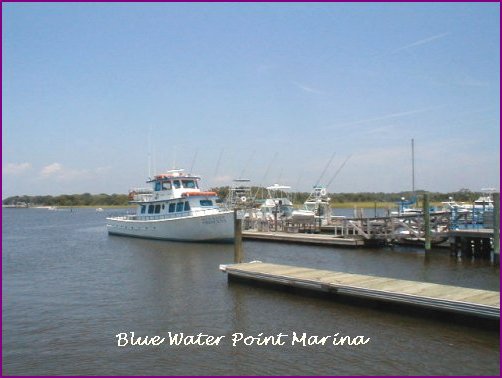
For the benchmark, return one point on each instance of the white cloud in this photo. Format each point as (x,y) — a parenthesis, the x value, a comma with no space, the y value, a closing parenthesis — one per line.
(307,88)
(15,168)
(102,170)
(51,170)
(56,171)
(421,42)
(386,117)
(226,179)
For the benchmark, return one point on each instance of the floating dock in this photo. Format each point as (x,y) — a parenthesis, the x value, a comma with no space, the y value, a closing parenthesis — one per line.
(473,302)
(301,238)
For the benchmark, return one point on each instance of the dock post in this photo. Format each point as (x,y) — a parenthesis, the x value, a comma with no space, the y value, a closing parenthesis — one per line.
(427,222)
(276,210)
(496,227)
(238,255)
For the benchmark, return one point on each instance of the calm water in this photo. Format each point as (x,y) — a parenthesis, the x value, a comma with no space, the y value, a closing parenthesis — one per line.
(68,288)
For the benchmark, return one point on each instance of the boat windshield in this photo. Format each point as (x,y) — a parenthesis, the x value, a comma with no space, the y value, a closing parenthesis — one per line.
(190,184)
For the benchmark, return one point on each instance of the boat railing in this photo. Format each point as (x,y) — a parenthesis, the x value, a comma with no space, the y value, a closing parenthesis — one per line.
(181,214)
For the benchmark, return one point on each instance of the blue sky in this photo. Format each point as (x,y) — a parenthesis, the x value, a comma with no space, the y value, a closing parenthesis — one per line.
(265,91)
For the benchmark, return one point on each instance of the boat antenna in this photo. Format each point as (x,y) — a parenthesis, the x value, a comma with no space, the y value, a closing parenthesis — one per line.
(246,165)
(154,160)
(338,170)
(280,176)
(174,157)
(150,153)
(265,175)
(325,168)
(413,166)
(218,162)
(149,165)
(193,161)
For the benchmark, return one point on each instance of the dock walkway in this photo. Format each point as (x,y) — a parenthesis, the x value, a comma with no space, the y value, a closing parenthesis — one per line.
(315,239)
(475,302)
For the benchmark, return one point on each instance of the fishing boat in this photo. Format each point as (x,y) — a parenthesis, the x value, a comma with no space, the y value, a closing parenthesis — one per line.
(407,207)
(485,202)
(175,208)
(277,204)
(316,207)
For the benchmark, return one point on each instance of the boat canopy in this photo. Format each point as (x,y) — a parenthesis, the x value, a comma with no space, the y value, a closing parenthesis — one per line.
(278,187)
(173,174)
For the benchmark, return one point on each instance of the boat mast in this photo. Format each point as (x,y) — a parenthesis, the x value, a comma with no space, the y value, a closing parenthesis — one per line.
(150,153)
(413,166)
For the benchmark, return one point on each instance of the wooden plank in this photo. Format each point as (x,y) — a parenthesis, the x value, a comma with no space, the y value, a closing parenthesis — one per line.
(466,300)
(302,238)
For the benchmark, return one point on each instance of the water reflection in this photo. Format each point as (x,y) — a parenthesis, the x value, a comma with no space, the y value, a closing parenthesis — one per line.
(69,288)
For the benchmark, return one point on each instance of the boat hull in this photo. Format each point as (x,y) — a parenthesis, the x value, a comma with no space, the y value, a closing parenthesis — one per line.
(216,227)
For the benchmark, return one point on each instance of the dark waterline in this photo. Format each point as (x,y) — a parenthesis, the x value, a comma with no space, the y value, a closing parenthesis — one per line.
(68,289)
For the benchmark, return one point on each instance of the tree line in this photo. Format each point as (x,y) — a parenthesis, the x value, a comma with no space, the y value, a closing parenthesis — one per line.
(463,195)
(87,199)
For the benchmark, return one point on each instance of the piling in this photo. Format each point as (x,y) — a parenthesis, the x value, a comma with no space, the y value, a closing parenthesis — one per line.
(427,223)
(496,227)
(238,252)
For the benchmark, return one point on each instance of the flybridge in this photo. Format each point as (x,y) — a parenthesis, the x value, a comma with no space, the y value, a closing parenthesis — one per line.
(174,173)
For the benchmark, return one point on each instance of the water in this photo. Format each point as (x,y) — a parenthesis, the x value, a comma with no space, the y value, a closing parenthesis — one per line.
(69,289)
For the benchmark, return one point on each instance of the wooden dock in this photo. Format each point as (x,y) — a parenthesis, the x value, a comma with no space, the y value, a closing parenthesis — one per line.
(474,243)
(474,302)
(314,239)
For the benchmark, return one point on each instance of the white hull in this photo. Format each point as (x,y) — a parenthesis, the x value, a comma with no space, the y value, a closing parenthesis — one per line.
(303,216)
(213,227)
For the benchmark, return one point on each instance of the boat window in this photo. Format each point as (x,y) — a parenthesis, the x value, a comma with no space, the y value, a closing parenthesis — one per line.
(163,206)
(287,210)
(187,206)
(150,209)
(172,207)
(206,203)
(143,208)
(190,184)
(176,184)
(157,209)
(157,186)
(166,185)
(179,206)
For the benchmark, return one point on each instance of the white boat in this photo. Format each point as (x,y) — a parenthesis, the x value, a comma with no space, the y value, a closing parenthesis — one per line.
(455,207)
(277,202)
(316,207)
(175,209)
(483,203)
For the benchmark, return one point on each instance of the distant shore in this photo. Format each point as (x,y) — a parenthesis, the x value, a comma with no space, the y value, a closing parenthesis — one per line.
(335,205)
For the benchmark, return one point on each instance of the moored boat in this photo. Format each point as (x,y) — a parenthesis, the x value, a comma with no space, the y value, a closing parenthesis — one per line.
(316,207)
(277,204)
(175,209)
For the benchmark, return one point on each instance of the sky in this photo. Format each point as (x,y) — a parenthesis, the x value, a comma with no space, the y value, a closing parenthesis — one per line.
(96,97)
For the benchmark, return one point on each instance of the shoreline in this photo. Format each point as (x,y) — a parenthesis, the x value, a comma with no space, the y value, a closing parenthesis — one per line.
(336,205)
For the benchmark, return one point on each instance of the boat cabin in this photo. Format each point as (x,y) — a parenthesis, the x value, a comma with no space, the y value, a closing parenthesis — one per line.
(173,194)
